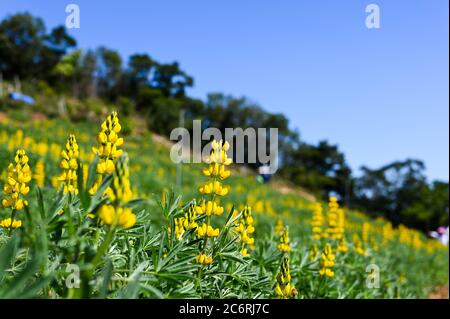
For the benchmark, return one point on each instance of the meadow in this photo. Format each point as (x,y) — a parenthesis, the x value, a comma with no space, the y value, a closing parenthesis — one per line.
(94,211)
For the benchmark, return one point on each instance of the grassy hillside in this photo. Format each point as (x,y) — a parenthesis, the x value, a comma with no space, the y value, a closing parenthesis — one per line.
(148,260)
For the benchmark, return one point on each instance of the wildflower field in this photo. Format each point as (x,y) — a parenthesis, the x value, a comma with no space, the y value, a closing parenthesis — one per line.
(90,212)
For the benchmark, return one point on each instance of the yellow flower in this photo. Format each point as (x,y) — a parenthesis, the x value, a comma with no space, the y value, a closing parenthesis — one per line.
(203,259)
(18,175)
(120,216)
(283,288)
(108,148)
(209,208)
(359,246)
(6,223)
(214,187)
(317,221)
(245,228)
(207,231)
(244,252)
(189,220)
(327,262)
(365,232)
(313,252)
(342,247)
(335,216)
(119,194)
(69,165)
(39,174)
(279,226)
(284,245)
(179,227)
(217,172)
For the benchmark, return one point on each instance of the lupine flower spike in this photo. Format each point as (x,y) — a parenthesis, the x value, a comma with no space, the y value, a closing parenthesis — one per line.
(16,188)
(108,148)
(283,288)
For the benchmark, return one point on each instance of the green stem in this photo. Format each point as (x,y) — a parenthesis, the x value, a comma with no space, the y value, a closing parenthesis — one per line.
(103,247)
(13,215)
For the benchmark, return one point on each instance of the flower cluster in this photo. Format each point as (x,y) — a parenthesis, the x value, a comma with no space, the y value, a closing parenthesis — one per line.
(388,232)
(39,173)
(365,232)
(284,245)
(209,208)
(327,260)
(283,288)
(119,194)
(108,148)
(19,175)
(216,171)
(335,216)
(358,245)
(6,223)
(69,165)
(245,229)
(279,227)
(342,246)
(317,221)
(203,259)
(313,252)
(179,227)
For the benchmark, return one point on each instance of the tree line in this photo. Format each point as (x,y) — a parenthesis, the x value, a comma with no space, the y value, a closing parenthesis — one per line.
(156,91)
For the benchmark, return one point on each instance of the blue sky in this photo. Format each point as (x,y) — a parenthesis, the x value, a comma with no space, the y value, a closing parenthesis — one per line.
(380,94)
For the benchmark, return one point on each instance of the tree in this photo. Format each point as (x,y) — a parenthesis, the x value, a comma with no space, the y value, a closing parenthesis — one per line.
(109,72)
(27,51)
(392,189)
(171,80)
(321,169)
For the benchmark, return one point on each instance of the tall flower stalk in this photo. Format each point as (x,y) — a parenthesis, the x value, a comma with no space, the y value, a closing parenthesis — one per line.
(15,189)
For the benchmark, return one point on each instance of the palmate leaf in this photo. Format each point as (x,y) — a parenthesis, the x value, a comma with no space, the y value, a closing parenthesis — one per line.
(27,283)
(131,290)
(7,254)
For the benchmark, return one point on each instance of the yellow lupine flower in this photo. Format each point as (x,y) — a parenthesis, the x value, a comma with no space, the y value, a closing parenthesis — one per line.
(342,247)
(283,288)
(203,259)
(18,175)
(69,165)
(327,262)
(179,227)
(119,194)
(359,246)
(39,173)
(189,220)
(207,231)
(279,226)
(6,223)
(284,245)
(209,208)
(335,216)
(245,228)
(317,221)
(313,252)
(108,148)
(217,172)
(214,187)
(120,216)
